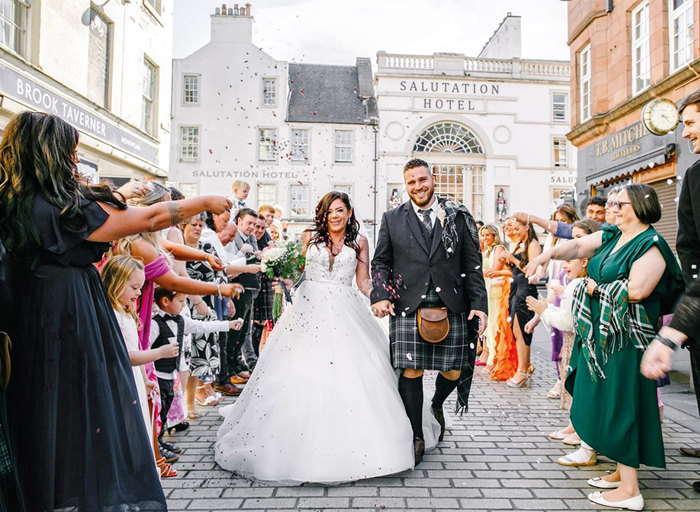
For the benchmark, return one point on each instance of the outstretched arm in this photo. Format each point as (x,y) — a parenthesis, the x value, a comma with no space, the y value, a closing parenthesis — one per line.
(382,264)
(133,221)
(584,247)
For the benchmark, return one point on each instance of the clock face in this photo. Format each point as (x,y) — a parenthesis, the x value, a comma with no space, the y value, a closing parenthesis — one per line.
(660,116)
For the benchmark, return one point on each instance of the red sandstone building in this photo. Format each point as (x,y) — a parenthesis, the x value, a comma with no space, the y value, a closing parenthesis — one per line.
(624,54)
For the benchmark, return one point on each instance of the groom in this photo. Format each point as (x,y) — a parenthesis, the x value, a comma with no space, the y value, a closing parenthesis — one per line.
(427,255)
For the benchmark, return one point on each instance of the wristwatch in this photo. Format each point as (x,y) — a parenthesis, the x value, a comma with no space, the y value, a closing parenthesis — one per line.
(596,292)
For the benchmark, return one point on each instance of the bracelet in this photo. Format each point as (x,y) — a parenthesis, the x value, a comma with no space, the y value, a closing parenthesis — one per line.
(218,289)
(198,303)
(666,341)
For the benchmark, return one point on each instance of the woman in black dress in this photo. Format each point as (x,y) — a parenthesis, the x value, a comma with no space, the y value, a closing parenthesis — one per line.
(76,434)
(525,248)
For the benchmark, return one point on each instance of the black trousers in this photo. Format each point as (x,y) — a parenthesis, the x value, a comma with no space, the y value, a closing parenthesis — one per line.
(235,339)
(694,349)
(167,394)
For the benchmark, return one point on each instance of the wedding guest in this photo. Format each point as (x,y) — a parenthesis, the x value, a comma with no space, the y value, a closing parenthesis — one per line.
(267,213)
(595,210)
(492,249)
(632,274)
(684,327)
(525,248)
(240,190)
(55,226)
(276,230)
(262,305)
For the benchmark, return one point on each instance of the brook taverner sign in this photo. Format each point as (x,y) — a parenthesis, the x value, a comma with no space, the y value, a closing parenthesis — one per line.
(35,96)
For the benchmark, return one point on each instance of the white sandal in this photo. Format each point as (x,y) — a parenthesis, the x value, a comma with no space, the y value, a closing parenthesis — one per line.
(634,503)
(602,484)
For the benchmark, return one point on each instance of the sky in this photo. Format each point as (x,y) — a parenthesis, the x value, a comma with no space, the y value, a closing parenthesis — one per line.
(338,31)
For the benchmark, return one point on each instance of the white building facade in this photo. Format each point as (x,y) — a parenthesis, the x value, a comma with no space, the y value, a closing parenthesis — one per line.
(493,127)
(293,132)
(106,70)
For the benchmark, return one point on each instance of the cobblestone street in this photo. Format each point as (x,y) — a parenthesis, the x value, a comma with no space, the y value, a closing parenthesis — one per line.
(497,457)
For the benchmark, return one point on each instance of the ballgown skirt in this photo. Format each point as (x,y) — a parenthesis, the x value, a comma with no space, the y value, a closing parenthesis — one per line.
(322,405)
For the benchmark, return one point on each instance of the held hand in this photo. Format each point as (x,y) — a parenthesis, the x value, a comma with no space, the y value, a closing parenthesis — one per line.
(590,285)
(557,289)
(232,290)
(253,269)
(151,387)
(656,361)
(235,325)
(218,204)
(491,274)
(521,217)
(215,263)
(231,308)
(482,319)
(246,248)
(133,189)
(536,305)
(168,351)
(202,308)
(382,308)
(258,255)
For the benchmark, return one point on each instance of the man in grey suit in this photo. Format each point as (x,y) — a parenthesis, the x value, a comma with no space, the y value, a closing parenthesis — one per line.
(427,255)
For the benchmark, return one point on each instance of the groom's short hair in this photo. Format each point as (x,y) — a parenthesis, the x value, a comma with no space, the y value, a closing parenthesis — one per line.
(415,162)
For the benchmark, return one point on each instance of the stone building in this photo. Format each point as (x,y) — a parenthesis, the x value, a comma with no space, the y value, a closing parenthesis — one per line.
(492,126)
(292,131)
(625,54)
(105,69)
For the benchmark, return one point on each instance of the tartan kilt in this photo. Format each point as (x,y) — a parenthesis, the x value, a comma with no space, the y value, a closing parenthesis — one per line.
(409,350)
(262,305)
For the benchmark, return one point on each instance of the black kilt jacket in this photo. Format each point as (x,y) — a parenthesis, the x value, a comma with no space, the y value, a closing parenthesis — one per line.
(404,266)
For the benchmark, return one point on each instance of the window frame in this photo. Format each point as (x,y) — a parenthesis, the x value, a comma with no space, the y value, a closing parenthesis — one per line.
(307,210)
(266,184)
(641,68)
(186,189)
(198,81)
(557,150)
(20,42)
(106,100)
(151,130)
(198,156)
(584,61)
(348,146)
(337,187)
(565,106)
(687,10)
(274,80)
(293,144)
(273,141)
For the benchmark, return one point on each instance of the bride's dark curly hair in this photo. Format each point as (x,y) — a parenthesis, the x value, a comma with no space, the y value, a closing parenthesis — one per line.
(321,235)
(37,154)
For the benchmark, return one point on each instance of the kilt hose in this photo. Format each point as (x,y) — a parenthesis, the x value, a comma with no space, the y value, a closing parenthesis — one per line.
(456,352)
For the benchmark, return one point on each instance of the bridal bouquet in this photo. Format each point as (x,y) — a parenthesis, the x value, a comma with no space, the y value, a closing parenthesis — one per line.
(282,261)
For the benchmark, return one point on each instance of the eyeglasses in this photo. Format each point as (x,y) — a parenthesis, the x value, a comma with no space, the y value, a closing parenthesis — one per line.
(618,204)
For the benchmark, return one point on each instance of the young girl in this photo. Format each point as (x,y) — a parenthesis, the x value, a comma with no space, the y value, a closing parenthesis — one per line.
(561,318)
(123,277)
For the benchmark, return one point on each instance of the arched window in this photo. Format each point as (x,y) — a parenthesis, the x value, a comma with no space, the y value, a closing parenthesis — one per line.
(447,138)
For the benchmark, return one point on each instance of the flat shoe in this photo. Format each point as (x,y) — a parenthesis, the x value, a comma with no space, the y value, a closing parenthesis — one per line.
(635,503)
(558,435)
(572,440)
(602,484)
(696,486)
(691,452)
(567,460)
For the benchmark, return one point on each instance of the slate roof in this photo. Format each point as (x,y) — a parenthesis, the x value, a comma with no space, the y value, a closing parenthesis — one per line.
(331,94)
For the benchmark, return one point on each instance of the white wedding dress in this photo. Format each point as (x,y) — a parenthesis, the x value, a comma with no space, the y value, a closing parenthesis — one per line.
(323,404)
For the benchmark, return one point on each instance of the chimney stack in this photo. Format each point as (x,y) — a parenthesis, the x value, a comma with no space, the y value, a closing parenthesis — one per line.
(232,24)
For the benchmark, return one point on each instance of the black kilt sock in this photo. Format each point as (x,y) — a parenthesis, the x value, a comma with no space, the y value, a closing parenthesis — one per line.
(443,388)
(411,391)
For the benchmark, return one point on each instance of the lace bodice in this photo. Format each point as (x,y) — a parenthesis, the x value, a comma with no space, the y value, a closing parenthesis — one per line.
(318,265)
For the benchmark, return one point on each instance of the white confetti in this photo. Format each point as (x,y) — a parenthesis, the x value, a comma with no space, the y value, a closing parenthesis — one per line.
(438,289)
(695,276)
(646,196)
(669,181)
(508,319)
(409,357)
(477,267)
(423,296)
(471,345)
(656,238)
(463,275)
(449,249)
(675,200)
(693,266)
(403,313)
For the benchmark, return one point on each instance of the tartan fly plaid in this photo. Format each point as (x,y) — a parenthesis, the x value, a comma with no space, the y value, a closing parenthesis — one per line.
(620,324)
(456,352)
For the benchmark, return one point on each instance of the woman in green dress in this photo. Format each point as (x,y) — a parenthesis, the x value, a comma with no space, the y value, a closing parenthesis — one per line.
(633,277)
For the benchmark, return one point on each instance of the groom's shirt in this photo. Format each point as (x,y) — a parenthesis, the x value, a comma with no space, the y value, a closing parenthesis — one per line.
(433,211)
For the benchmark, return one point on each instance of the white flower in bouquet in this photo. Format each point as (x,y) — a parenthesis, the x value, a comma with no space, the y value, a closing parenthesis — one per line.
(272,256)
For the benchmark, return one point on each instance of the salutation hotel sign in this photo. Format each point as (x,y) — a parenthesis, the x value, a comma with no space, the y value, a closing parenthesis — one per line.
(468,93)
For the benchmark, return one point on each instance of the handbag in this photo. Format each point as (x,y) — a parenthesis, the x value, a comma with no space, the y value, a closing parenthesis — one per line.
(433,324)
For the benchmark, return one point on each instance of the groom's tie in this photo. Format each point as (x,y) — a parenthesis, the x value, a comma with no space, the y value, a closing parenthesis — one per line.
(426,219)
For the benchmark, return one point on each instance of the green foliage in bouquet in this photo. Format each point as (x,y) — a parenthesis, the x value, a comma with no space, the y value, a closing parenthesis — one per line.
(284,260)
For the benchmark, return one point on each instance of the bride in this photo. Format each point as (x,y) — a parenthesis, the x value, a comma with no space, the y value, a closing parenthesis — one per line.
(343,418)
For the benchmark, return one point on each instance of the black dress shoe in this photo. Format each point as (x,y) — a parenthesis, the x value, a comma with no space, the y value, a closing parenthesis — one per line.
(169,456)
(170,447)
(440,417)
(691,452)
(418,449)
(696,486)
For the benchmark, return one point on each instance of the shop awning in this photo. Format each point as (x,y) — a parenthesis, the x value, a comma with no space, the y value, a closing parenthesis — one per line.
(657,156)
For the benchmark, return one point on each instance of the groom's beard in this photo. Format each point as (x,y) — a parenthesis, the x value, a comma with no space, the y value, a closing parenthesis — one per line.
(431,193)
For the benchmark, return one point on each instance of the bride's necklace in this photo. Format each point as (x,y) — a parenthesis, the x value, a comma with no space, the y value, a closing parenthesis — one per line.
(334,250)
